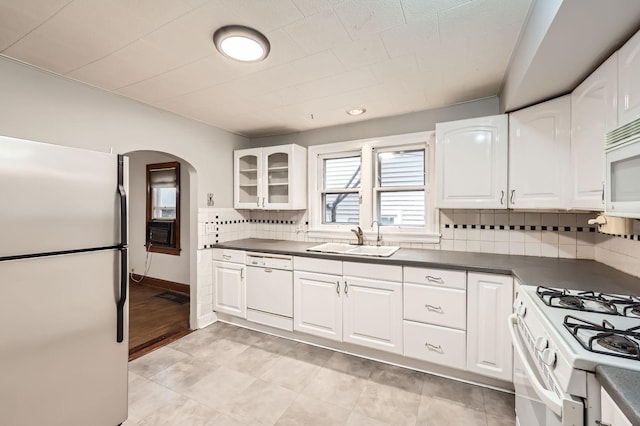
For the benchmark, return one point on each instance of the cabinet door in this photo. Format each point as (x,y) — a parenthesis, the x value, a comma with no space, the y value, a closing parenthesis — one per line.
(629,83)
(489,350)
(276,178)
(229,293)
(247,191)
(471,163)
(594,112)
(610,412)
(317,304)
(372,313)
(539,155)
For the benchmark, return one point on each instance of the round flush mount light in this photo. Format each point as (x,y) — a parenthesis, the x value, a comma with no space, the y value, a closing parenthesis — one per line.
(241,43)
(356,111)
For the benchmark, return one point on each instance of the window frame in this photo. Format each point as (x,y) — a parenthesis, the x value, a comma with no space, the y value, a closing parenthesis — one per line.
(368,148)
(149,211)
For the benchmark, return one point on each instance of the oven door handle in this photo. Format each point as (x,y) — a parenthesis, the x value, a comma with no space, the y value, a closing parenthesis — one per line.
(549,398)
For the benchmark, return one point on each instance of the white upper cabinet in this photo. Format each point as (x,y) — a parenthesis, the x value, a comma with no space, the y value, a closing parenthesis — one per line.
(471,163)
(539,155)
(272,178)
(594,112)
(629,81)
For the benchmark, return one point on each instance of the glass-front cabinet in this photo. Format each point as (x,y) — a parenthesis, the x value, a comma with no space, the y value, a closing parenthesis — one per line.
(271,178)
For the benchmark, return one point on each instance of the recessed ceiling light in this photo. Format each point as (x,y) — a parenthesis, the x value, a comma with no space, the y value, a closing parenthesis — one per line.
(241,43)
(356,111)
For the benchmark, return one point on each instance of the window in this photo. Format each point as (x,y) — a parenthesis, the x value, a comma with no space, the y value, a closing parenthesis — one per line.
(163,208)
(384,180)
(400,187)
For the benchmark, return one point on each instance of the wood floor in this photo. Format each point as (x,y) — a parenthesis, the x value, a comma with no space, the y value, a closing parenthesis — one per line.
(153,321)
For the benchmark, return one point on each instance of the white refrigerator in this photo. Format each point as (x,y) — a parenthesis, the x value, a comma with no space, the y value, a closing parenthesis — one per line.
(63,282)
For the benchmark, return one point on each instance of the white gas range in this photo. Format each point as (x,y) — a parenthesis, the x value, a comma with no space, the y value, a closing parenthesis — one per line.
(559,337)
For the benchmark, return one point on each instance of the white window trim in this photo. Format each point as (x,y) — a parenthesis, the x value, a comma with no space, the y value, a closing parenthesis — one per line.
(427,234)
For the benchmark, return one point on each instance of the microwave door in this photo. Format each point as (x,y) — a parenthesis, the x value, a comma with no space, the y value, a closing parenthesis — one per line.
(623,175)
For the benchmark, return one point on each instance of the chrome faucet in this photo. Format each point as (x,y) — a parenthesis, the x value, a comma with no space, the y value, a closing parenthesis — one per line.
(358,233)
(378,239)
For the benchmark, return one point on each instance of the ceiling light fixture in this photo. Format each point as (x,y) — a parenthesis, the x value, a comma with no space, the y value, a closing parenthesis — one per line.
(241,43)
(356,111)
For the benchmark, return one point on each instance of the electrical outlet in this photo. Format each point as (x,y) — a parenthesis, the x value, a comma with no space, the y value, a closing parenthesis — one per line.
(210,199)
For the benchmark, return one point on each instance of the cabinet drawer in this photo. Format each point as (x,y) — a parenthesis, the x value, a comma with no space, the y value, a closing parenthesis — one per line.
(436,277)
(435,344)
(373,271)
(434,305)
(227,255)
(322,266)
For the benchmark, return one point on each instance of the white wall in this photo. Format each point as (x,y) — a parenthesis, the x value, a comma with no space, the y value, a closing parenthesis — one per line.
(40,106)
(388,126)
(44,107)
(163,266)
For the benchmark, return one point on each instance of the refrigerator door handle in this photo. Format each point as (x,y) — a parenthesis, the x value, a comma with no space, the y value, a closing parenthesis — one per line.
(123,252)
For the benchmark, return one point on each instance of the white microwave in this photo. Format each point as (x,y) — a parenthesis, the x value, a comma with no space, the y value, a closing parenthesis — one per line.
(622,155)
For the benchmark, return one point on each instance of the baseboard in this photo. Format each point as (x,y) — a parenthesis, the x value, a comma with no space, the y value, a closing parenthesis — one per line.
(157,282)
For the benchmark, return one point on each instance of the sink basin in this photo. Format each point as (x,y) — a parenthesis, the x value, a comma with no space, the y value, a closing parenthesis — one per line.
(351,249)
(381,251)
(332,248)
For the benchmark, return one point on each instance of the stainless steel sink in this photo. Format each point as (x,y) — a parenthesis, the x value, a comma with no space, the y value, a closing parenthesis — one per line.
(355,250)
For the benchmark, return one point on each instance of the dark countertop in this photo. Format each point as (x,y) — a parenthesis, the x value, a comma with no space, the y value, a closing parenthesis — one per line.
(623,386)
(574,274)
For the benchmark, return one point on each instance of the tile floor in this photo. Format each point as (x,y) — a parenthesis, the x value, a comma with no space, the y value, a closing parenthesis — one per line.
(226,375)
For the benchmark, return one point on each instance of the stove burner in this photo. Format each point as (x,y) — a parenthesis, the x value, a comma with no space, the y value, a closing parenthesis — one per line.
(617,343)
(614,342)
(632,310)
(573,302)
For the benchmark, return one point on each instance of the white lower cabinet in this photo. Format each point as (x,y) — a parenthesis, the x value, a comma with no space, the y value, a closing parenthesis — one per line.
(229,282)
(435,315)
(317,306)
(489,301)
(440,345)
(352,307)
(372,313)
(611,413)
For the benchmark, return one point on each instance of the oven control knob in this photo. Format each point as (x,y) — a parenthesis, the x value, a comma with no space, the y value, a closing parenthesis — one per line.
(521,311)
(541,343)
(548,357)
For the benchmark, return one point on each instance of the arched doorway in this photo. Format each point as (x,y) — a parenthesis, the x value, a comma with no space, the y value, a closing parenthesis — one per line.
(162,287)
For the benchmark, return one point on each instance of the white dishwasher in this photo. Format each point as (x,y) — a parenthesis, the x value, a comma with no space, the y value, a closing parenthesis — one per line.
(270,290)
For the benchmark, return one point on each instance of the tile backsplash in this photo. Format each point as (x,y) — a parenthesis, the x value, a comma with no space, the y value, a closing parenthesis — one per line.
(564,235)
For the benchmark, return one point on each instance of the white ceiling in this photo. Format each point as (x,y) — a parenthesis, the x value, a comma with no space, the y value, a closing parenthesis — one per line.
(388,56)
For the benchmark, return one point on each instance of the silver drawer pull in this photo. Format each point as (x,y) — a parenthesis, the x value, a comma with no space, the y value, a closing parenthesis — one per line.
(226,257)
(267,269)
(433,308)
(601,423)
(433,347)
(338,287)
(434,279)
